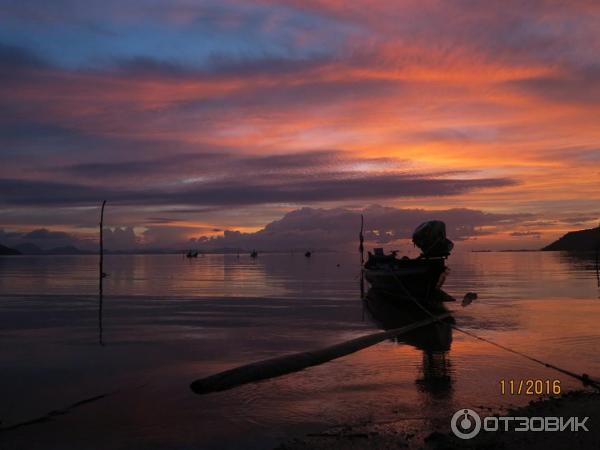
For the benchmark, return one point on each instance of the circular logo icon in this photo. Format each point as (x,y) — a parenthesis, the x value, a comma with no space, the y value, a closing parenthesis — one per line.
(465,423)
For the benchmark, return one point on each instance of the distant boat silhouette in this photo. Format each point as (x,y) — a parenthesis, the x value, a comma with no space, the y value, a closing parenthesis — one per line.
(253,254)
(307,254)
(191,254)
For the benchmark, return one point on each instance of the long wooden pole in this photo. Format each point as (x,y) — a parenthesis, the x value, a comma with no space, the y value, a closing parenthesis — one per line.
(275,367)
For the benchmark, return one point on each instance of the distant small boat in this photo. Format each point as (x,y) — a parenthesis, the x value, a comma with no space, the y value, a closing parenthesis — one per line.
(419,278)
(253,254)
(191,254)
(307,254)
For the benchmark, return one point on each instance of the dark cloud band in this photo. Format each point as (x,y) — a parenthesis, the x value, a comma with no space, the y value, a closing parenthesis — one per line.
(246,192)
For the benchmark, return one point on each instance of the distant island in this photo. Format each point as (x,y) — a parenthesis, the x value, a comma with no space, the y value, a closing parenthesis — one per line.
(32,249)
(8,251)
(577,241)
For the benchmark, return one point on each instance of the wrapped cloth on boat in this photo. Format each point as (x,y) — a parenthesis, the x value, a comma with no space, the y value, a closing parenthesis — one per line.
(431,238)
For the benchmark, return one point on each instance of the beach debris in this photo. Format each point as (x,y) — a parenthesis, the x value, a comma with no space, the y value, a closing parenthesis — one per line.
(468,298)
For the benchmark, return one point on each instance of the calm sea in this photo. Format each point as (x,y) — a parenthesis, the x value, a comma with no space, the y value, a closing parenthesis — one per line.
(166,320)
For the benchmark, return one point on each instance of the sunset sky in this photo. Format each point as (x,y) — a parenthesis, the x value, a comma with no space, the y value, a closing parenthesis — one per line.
(210,120)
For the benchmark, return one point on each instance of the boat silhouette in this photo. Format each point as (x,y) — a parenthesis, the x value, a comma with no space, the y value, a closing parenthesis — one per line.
(413,278)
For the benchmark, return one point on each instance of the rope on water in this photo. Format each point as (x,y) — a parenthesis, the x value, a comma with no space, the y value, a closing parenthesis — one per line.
(584,377)
(57,412)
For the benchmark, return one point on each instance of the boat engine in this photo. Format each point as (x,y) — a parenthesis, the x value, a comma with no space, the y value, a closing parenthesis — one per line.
(431,238)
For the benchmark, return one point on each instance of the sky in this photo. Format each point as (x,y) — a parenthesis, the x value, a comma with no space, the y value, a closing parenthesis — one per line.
(226,123)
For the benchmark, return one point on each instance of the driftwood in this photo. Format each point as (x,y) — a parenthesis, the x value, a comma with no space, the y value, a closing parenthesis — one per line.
(295,362)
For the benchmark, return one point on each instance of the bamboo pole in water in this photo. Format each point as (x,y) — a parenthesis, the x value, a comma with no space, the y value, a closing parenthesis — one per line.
(361,249)
(101,273)
(275,367)
(101,250)
(598,258)
(598,265)
(361,240)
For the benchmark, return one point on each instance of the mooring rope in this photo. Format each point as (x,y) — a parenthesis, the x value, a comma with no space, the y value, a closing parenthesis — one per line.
(56,412)
(584,378)
(51,415)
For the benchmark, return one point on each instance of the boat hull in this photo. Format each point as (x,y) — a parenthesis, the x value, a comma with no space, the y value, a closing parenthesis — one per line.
(421,279)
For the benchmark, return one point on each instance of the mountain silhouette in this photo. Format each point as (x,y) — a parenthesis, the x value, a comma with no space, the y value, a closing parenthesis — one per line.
(27,248)
(578,241)
(8,251)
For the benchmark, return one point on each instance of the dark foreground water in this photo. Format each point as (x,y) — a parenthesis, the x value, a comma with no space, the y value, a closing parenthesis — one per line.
(166,321)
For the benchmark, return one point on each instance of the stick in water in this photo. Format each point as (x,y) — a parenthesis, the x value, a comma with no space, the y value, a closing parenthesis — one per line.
(101,273)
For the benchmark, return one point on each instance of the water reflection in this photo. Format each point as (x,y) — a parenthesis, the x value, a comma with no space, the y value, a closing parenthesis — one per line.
(169,319)
(100,305)
(324,275)
(434,340)
(583,261)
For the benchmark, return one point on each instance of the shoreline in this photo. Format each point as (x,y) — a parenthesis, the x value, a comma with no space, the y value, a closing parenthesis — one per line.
(406,432)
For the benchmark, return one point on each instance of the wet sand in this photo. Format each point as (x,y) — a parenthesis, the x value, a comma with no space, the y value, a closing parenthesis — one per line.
(409,433)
